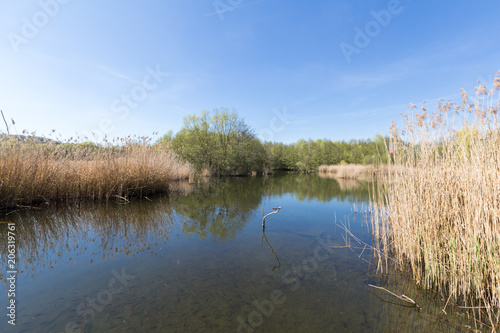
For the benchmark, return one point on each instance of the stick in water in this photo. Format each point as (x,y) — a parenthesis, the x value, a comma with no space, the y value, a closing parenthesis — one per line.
(264,218)
(402,297)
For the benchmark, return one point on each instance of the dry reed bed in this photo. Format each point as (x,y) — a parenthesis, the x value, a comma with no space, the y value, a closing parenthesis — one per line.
(348,171)
(345,184)
(440,218)
(33,172)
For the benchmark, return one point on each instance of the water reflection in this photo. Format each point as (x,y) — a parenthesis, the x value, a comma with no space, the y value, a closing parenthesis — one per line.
(218,209)
(436,313)
(95,229)
(199,262)
(347,184)
(272,250)
(215,209)
(314,187)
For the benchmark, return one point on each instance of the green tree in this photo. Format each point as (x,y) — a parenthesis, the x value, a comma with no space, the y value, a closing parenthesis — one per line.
(221,141)
(167,138)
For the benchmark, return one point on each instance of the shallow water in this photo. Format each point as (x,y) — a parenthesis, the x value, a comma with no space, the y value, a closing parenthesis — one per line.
(199,261)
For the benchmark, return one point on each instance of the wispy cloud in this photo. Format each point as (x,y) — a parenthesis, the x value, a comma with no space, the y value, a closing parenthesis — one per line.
(407,68)
(231,7)
(119,75)
(379,77)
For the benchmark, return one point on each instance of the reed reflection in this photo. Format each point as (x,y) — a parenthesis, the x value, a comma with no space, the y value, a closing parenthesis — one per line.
(101,230)
(216,209)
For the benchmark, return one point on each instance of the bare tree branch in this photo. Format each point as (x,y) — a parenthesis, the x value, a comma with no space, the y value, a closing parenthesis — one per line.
(264,218)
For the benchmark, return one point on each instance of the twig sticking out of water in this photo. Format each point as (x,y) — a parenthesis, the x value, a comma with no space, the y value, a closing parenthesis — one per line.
(264,217)
(404,298)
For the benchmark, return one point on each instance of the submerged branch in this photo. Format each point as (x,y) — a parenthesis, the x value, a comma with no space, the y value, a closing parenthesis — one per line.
(122,199)
(404,298)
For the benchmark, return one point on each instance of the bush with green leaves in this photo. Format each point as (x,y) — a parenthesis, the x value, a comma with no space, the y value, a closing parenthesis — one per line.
(219,141)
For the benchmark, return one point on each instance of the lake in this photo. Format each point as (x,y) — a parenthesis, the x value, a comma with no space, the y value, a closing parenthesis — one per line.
(198,260)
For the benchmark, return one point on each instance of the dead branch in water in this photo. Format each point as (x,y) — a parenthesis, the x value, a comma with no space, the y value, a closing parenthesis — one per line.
(264,217)
(123,200)
(404,298)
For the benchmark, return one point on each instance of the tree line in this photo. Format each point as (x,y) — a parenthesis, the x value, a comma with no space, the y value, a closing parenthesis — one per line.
(223,143)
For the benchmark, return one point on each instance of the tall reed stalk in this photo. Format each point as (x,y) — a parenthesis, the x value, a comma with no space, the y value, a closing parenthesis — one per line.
(32,171)
(437,214)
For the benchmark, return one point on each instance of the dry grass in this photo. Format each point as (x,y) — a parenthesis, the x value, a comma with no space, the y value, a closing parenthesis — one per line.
(346,185)
(348,171)
(32,172)
(440,217)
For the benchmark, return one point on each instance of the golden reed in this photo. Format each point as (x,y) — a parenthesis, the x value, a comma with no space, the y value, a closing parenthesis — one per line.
(32,171)
(347,171)
(437,214)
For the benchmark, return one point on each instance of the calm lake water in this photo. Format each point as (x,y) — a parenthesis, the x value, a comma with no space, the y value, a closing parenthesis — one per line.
(198,261)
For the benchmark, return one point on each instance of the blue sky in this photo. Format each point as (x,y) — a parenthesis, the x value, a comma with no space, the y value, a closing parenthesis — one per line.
(302,69)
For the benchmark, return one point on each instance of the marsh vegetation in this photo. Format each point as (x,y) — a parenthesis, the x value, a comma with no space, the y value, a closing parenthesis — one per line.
(32,171)
(435,204)
(348,171)
(219,143)
(438,215)
(200,258)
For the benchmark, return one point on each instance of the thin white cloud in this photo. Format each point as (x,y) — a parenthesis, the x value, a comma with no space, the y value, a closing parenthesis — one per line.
(230,8)
(381,76)
(119,75)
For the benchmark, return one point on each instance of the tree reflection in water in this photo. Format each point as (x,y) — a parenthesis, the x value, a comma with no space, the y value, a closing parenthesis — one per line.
(217,209)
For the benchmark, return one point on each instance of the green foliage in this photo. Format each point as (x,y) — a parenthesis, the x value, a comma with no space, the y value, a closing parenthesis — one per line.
(465,139)
(219,141)
(166,139)
(309,155)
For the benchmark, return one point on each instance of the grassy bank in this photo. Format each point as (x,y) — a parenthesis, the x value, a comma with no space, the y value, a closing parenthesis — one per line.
(32,171)
(438,215)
